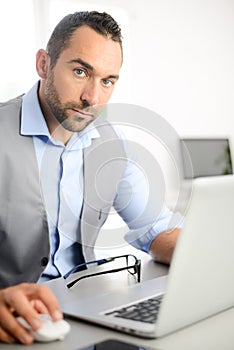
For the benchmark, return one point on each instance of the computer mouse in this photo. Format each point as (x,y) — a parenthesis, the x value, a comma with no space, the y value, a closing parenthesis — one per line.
(50,330)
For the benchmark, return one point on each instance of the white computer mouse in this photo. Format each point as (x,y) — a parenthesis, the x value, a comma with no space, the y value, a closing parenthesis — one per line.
(50,330)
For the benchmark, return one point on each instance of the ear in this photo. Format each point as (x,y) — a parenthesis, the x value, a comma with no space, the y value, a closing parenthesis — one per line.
(42,63)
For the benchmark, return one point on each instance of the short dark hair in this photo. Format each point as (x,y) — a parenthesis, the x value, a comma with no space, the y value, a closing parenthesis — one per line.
(102,23)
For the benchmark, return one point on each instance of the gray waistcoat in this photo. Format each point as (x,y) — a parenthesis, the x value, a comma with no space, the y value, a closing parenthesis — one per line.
(24,238)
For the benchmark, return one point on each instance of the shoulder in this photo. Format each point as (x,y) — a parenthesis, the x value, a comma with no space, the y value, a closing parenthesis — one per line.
(12,104)
(10,112)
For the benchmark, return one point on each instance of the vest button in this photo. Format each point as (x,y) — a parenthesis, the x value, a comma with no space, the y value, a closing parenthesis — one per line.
(44,261)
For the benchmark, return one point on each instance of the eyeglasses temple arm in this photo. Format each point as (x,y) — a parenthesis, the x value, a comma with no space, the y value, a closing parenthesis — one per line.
(71,284)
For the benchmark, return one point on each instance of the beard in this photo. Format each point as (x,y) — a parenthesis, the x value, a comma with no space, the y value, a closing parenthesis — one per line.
(67,114)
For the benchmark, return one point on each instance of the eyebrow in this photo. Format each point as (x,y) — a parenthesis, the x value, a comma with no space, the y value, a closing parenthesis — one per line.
(91,68)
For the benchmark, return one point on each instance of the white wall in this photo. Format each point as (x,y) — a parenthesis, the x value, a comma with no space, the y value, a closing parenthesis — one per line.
(184,50)
(178,57)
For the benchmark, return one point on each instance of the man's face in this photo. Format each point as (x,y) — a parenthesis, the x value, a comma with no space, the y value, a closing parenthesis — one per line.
(82,80)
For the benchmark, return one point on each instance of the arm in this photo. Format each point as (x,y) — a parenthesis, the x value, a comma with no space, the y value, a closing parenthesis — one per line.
(146,215)
(162,247)
(26,300)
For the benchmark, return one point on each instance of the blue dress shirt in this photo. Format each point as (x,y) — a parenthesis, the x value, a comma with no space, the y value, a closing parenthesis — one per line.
(61,168)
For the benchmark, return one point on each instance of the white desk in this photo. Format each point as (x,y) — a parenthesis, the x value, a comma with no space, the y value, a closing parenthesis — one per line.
(215,333)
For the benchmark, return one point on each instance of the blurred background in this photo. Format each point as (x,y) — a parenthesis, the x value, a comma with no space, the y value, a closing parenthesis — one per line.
(178,58)
(178,55)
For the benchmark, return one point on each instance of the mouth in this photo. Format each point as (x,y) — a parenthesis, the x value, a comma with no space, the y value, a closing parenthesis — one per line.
(82,113)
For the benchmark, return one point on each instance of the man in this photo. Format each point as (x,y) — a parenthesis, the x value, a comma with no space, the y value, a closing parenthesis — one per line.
(53,144)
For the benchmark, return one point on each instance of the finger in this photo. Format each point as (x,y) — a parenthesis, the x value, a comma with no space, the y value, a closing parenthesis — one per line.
(50,302)
(19,299)
(6,338)
(11,330)
(39,306)
(15,298)
(46,301)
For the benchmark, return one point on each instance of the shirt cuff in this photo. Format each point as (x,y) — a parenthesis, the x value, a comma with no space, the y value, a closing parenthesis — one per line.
(143,237)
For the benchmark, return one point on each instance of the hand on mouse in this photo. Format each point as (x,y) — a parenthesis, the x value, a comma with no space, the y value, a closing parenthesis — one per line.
(27,300)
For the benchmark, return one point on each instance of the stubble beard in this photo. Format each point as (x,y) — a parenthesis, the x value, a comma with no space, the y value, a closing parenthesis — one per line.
(73,123)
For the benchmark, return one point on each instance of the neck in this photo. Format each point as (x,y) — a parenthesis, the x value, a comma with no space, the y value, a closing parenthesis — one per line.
(61,134)
(57,131)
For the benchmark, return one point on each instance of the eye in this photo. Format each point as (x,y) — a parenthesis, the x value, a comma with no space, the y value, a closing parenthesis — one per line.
(107,82)
(80,72)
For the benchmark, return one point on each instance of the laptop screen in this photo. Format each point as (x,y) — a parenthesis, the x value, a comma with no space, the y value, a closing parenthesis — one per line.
(205,157)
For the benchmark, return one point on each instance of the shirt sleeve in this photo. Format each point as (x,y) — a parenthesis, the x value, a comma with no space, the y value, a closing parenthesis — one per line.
(140,202)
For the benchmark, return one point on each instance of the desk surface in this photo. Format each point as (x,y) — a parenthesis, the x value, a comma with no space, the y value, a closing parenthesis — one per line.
(215,333)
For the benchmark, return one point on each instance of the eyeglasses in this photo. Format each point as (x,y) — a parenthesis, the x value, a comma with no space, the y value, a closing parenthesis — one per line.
(133,267)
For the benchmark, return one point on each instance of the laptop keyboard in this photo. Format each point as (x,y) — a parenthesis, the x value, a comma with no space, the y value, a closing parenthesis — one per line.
(144,311)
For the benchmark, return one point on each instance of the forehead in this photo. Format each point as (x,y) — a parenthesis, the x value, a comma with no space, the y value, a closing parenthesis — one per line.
(98,50)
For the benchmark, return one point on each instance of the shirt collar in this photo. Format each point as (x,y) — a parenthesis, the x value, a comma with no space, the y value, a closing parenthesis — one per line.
(33,122)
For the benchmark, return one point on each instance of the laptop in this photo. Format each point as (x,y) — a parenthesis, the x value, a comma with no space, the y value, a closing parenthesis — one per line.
(200,282)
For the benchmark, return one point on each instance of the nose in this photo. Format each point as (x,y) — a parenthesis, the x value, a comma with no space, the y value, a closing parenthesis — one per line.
(91,93)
